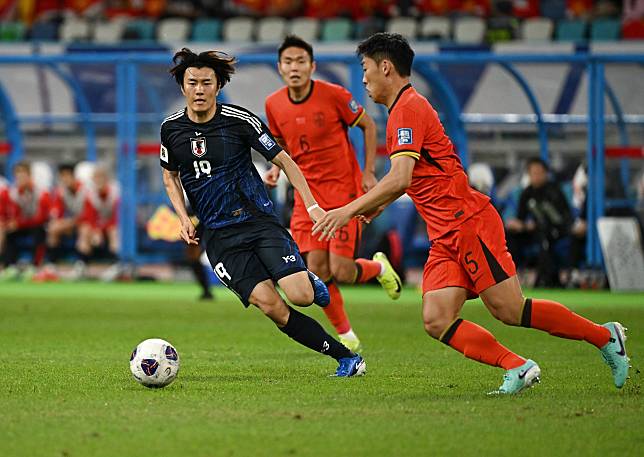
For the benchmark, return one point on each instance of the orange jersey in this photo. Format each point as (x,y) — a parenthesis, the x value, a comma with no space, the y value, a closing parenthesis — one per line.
(439,186)
(315,133)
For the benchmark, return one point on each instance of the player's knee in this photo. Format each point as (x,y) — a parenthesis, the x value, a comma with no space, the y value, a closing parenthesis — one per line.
(435,326)
(302,296)
(343,273)
(504,310)
(271,305)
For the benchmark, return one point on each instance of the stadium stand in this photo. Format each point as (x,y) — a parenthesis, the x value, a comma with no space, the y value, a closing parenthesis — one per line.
(238,29)
(307,28)
(573,30)
(337,29)
(206,29)
(271,29)
(173,29)
(435,28)
(537,29)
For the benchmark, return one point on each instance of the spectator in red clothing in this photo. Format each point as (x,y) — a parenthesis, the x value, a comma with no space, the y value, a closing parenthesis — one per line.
(99,220)
(24,214)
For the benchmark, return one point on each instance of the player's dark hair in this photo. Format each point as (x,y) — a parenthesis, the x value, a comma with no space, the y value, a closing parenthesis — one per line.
(537,161)
(66,167)
(391,46)
(220,62)
(22,165)
(294,41)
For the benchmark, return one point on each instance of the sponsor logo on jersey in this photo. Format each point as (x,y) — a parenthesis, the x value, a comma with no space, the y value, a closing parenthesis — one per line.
(405,136)
(267,141)
(198,146)
(354,106)
(163,154)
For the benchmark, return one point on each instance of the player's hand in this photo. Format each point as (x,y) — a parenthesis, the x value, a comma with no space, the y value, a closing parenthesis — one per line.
(272,176)
(188,232)
(514,225)
(367,218)
(12,225)
(369,181)
(331,222)
(316,214)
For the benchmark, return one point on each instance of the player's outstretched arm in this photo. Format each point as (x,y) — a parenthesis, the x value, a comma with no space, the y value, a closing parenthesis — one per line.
(271,177)
(174,190)
(295,177)
(368,127)
(392,186)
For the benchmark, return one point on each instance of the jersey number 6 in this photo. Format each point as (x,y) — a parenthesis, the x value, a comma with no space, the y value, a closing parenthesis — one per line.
(202,167)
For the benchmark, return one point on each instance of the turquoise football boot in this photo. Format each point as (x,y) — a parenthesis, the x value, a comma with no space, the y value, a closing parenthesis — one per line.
(614,353)
(520,378)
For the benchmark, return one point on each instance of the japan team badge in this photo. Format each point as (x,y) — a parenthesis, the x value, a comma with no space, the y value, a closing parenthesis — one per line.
(198,146)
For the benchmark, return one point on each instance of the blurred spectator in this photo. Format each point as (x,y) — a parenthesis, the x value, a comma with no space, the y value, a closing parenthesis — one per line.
(579,227)
(633,10)
(543,217)
(66,210)
(98,227)
(579,9)
(446,7)
(503,24)
(25,210)
(481,177)
(523,8)
(323,9)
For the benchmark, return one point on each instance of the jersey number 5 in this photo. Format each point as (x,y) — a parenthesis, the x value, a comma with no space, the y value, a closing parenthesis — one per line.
(202,167)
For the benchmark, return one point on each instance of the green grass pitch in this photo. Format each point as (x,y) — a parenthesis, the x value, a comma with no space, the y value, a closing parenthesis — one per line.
(245,389)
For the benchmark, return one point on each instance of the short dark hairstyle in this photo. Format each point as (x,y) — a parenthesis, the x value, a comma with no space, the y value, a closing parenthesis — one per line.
(66,167)
(391,46)
(537,161)
(22,165)
(294,41)
(220,62)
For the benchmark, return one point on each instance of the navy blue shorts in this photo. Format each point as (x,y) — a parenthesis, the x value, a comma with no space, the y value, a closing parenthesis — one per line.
(245,254)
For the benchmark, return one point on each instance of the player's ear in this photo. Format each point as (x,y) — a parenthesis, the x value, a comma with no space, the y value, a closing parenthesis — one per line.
(385,66)
(313,67)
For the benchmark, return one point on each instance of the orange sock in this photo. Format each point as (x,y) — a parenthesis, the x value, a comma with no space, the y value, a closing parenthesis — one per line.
(335,310)
(367,270)
(476,343)
(558,320)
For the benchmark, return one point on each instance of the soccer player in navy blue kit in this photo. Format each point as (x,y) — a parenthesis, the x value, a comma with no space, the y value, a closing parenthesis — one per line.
(206,151)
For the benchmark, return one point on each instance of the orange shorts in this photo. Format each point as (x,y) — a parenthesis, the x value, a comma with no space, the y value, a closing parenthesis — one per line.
(473,256)
(345,243)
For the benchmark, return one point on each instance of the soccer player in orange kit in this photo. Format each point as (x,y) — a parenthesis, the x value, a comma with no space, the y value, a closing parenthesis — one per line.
(310,120)
(469,256)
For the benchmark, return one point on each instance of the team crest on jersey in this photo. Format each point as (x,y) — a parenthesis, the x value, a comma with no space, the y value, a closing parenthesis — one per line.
(353,106)
(318,119)
(198,146)
(405,136)
(267,141)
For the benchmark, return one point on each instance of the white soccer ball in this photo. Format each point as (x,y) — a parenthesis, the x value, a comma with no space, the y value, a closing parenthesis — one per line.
(154,363)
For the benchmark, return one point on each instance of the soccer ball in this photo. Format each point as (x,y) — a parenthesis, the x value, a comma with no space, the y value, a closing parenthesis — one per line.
(154,363)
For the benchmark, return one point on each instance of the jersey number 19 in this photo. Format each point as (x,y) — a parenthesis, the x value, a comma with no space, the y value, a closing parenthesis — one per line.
(202,167)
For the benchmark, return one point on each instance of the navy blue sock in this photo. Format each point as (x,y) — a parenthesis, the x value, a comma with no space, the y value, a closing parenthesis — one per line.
(310,333)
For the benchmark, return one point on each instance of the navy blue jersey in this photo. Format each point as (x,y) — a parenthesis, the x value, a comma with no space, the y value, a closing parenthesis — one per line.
(215,166)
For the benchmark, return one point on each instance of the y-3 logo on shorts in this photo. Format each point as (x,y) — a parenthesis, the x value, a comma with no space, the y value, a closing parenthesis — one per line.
(289,258)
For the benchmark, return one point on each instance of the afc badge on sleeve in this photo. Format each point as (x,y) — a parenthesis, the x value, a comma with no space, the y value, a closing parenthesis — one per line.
(354,106)
(405,136)
(163,154)
(198,146)
(267,141)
